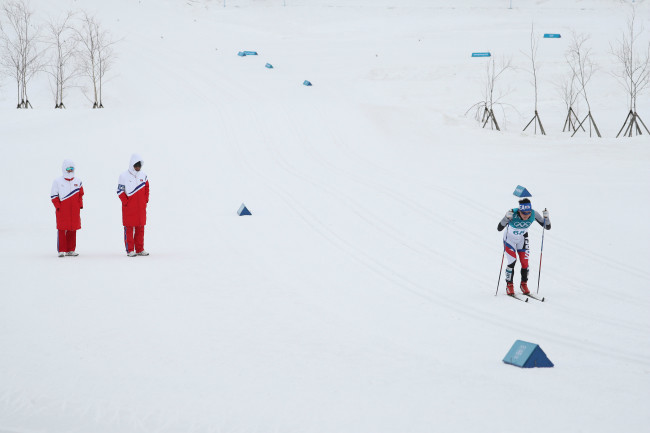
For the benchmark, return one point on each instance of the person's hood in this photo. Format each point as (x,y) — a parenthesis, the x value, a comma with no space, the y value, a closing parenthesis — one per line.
(68,163)
(135,158)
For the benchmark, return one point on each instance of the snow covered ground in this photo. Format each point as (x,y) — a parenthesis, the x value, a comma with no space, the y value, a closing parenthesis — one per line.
(359,297)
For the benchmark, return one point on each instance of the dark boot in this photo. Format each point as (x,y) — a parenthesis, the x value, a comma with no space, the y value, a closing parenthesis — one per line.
(510,288)
(524,281)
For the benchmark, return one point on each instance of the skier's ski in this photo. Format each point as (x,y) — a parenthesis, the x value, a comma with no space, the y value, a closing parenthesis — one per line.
(535,297)
(519,298)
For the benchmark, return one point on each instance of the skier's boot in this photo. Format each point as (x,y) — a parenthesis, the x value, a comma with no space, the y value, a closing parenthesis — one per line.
(61,254)
(524,281)
(72,253)
(510,288)
(131,254)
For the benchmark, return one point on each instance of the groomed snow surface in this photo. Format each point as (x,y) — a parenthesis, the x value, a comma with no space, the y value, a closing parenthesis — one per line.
(359,296)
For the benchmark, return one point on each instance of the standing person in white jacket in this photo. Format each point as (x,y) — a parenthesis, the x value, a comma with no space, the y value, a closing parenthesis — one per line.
(133,191)
(67,197)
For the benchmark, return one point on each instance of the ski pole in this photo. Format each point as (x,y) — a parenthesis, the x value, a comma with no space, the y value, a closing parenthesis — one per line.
(539,275)
(500,269)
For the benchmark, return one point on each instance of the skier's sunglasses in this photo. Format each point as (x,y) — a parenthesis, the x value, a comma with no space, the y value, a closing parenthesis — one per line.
(69,169)
(525,212)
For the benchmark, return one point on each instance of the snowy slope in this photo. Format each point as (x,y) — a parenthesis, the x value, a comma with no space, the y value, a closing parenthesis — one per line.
(359,297)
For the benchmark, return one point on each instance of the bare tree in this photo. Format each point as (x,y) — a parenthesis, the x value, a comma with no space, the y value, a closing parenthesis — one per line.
(105,56)
(11,39)
(2,51)
(579,59)
(64,48)
(534,44)
(568,91)
(485,108)
(20,55)
(96,55)
(634,73)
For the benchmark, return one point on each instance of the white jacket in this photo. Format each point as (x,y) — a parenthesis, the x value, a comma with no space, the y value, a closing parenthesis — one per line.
(133,191)
(64,188)
(132,181)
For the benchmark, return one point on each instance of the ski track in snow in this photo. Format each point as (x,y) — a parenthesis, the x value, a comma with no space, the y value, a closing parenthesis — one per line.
(386,229)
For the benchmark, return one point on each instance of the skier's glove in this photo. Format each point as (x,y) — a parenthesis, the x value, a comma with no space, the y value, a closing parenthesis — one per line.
(509,215)
(545,214)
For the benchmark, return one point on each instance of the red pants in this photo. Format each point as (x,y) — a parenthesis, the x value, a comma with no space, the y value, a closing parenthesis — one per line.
(132,241)
(67,241)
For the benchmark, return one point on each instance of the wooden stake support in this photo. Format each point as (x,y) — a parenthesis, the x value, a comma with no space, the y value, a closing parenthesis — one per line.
(536,121)
(569,124)
(488,115)
(632,122)
(592,122)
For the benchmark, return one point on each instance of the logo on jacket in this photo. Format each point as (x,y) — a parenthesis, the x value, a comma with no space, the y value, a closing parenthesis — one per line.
(121,187)
(76,184)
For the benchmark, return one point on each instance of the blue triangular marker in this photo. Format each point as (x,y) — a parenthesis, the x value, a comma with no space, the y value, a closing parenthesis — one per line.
(306,83)
(520,191)
(527,355)
(243,210)
(268,65)
(538,359)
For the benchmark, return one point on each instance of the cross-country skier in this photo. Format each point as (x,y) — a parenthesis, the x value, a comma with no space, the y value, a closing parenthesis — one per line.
(67,198)
(133,191)
(515,240)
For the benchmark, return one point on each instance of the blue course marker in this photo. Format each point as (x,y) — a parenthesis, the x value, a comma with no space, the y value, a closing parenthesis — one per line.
(552,35)
(306,83)
(520,191)
(243,210)
(268,65)
(250,53)
(481,54)
(527,355)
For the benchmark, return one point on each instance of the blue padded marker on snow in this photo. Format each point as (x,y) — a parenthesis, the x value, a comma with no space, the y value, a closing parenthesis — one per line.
(552,35)
(268,65)
(527,355)
(250,53)
(241,54)
(487,54)
(520,191)
(306,83)
(243,210)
